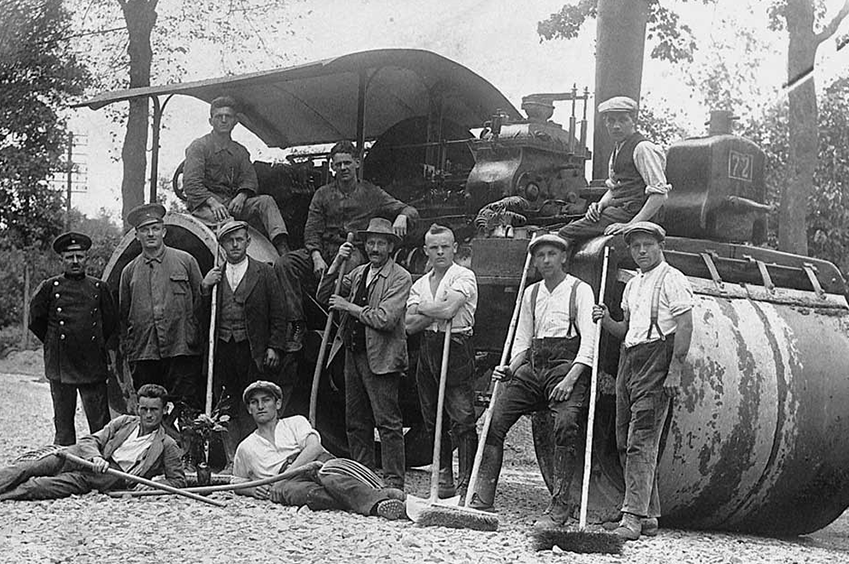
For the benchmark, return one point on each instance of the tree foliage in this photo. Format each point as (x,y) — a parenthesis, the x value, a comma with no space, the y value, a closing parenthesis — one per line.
(37,75)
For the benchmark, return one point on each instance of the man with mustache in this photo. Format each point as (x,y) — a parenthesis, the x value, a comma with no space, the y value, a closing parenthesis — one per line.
(372,328)
(74,315)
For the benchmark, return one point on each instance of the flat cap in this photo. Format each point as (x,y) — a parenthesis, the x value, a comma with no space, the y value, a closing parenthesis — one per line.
(547,239)
(262,386)
(653,229)
(146,214)
(71,241)
(229,227)
(618,104)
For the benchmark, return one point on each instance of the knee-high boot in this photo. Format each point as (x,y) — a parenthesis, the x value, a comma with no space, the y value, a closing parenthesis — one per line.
(560,510)
(484,494)
(466,459)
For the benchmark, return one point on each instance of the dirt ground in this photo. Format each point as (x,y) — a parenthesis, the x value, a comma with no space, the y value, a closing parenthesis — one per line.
(97,528)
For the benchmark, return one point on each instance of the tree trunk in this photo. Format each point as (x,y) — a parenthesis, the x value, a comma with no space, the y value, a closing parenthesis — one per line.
(804,135)
(140,16)
(620,45)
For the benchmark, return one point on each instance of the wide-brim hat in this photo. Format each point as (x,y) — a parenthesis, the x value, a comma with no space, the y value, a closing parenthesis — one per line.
(547,239)
(261,386)
(379,226)
(229,227)
(146,214)
(618,104)
(648,227)
(71,241)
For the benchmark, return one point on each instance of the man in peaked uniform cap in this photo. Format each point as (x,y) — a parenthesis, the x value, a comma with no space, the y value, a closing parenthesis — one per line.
(74,315)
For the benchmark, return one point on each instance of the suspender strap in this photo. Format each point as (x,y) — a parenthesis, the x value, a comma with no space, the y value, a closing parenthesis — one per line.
(534,294)
(573,308)
(655,303)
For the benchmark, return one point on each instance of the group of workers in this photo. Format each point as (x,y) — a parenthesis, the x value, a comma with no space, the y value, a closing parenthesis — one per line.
(164,301)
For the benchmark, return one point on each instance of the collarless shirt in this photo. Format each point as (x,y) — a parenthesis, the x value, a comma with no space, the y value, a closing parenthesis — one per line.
(457,278)
(676,297)
(235,273)
(551,317)
(257,458)
(131,451)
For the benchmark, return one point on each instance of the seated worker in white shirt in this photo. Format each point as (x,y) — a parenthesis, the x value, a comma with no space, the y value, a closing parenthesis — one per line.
(550,368)
(448,291)
(284,444)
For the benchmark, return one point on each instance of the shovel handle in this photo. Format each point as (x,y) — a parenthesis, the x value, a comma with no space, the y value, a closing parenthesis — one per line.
(440,406)
(139,480)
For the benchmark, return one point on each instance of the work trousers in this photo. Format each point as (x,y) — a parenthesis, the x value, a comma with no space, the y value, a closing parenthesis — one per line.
(641,409)
(372,400)
(95,404)
(52,477)
(459,404)
(339,484)
(529,389)
(259,211)
(583,228)
(180,375)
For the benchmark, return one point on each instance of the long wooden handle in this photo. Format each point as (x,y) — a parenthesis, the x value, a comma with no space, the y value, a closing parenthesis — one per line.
(139,480)
(325,337)
(213,314)
(440,406)
(305,469)
(505,353)
(588,450)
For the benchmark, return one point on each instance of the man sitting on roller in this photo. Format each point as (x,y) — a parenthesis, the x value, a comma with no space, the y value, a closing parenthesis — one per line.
(136,445)
(280,445)
(550,367)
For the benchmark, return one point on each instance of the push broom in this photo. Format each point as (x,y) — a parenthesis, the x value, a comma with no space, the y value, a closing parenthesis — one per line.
(583,541)
(431,512)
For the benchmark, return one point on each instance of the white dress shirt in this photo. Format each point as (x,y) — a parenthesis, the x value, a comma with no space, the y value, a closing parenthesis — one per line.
(676,297)
(235,273)
(256,458)
(457,278)
(650,161)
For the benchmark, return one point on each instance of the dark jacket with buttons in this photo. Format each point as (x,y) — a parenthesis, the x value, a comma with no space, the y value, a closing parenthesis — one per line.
(74,318)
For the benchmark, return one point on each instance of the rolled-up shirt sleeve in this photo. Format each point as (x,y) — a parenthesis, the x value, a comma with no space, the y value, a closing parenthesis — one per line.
(677,293)
(586,327)
(650,161)
(525,327)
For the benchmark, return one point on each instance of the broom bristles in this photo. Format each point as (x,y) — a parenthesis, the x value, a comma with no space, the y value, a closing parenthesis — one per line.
(581,542)
(457,518)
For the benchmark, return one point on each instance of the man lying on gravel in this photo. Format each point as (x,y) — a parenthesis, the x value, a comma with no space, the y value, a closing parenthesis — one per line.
(134,444)
(289,443)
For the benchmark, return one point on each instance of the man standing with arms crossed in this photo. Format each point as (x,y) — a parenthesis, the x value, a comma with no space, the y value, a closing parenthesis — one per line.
(74,315)
(448,291)
(550,368)
(657,329)
(159,300)
(372,327)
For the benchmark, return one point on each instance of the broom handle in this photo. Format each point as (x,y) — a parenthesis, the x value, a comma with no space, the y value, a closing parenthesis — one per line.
(213,314)
(139,480)
(325,337)
(440,406)
(508,344)
(588,451)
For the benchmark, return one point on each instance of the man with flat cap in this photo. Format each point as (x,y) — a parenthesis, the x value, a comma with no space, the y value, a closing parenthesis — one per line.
(250,325)
(550,366)
(372,328)
(159,302)
(636,183)
(74,315)
(657,328)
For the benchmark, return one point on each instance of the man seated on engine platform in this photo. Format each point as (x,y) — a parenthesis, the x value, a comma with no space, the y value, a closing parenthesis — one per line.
(636,184)
(280,445)
(550,367)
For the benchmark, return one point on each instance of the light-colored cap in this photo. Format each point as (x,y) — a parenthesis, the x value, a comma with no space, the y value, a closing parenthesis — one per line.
(547,239)
(618,104)
(653,229)
(261,386)
(229,227)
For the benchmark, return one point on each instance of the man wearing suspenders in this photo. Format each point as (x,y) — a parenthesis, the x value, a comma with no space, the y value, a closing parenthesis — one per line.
(657,328)
(550,367)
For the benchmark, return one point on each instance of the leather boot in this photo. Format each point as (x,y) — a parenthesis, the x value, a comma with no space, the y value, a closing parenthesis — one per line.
(484,494)
(466,459)
(446,483)
(559,511)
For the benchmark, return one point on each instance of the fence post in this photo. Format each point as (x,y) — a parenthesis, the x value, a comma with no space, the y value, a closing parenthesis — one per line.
(25,328)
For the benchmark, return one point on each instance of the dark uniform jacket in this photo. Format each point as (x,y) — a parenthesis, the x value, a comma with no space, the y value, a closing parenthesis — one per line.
(261,298)
(159,302)
(74,317)
(163,456)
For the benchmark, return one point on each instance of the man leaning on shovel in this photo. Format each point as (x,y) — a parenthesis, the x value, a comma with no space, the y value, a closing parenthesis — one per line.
(549,369)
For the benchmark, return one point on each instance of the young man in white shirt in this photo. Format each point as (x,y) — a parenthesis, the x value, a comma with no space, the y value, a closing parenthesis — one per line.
(657,329)
(448,291)
(550,367)
(289,443)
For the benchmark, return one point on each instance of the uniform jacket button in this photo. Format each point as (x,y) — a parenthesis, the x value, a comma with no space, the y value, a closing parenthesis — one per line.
(59,309)
(55,295)
(62,336)
(61,323)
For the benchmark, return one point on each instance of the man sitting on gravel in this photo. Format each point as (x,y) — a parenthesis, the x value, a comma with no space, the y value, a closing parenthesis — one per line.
(285,444)
(134,444)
